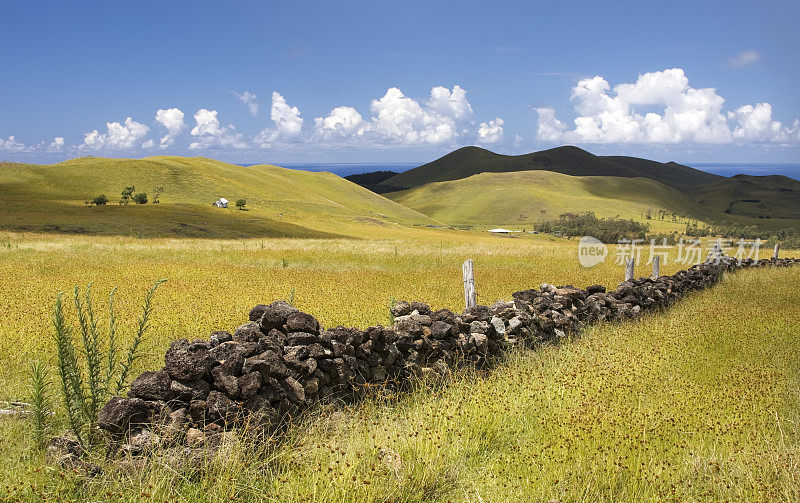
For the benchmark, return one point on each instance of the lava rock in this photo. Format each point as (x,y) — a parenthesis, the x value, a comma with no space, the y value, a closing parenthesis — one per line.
(401,308)
(595,289)
(186,391)
(187,361)
(302,322)
(268,364)
(218,337)
(294,390)
(248,332)
(219,407)
(272,316)
(249,385)
(225,382)
(118,414)
(151,386)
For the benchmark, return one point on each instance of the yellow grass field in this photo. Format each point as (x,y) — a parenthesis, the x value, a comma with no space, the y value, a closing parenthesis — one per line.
(212,284)
(700,395)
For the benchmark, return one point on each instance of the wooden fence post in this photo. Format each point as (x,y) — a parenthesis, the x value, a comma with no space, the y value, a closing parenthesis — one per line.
(777,247)
(469,283)
(629,265)
(656,267)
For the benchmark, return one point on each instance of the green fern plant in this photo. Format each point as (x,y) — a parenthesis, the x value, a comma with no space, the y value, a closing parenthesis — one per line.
(91,372)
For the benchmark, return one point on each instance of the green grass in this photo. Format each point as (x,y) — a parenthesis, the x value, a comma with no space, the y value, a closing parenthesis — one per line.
(527,197)
(281,202)
(699,403)
(756,199)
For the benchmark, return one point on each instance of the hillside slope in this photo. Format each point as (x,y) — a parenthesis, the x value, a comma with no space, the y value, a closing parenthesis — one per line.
(568,160)
(748,196)
(281,202)
(530,196)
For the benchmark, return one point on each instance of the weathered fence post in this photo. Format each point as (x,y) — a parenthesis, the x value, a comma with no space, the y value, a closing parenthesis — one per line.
(714,254)
(469,283)
(777,248)
(656,267)
(629,264)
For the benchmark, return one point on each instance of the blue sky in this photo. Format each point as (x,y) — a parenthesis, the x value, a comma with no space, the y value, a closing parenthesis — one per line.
(399,82)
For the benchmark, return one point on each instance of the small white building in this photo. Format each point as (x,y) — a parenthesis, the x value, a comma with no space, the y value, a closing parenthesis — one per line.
(221,203)
(501,231)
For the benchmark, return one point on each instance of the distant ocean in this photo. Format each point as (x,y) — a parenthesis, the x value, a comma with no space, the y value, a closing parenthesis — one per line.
(348,169)
(342,169)
(790,170)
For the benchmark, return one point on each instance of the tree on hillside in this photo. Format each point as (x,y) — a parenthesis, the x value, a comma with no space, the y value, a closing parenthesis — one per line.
(127,195)
(100,200)
(240,203)
(157,193)
(140,198)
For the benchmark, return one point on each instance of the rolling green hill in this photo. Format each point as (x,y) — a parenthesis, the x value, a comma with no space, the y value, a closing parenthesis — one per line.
(531,196)
(748,196)
(526,197)
(281,202)
(567,160)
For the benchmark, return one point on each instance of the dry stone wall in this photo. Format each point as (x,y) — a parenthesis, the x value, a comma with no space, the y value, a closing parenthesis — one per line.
(282,361)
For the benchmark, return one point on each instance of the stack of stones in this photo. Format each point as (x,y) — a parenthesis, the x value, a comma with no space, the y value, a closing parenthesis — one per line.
(281,361)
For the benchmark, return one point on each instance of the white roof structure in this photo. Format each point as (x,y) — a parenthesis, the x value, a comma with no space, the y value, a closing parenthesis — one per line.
(500,231)
(221,203)
(222,200)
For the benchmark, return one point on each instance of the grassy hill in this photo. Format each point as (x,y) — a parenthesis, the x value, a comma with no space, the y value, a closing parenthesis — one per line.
(473,185)
(281,202)
(567,160)
(755,197)
(530,196)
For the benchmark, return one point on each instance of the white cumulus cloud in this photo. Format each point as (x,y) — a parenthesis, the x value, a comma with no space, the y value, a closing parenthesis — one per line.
(12,145)
(172,119)
(490,132)
(452,104)
(57,144)
(117,136)
(754,123)
(744,59)
(209,133)
(549,128)
(342,121)
(400,119)
(250,100)
(287,121)
(394,119)
(659,108)
(287,118)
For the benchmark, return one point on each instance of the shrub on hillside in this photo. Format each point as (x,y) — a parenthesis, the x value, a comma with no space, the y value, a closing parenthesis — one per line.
(100,200)
(607,230)
(241,203)
(140,198)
